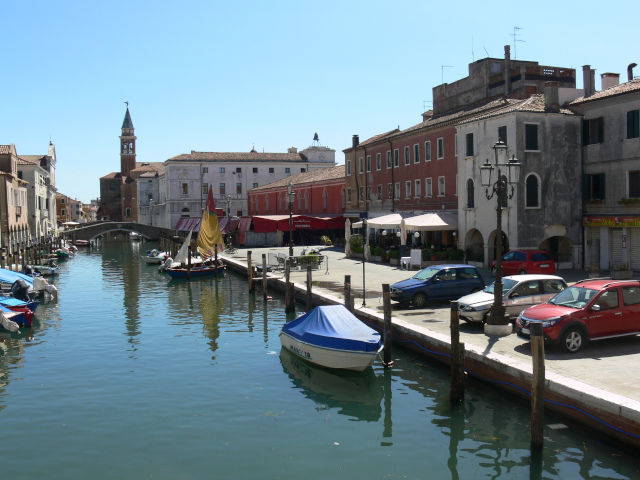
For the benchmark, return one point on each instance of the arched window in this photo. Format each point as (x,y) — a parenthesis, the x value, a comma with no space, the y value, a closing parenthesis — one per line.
(127,212)
(281,202)
(532,188)
(306,200)
(343,194)
(185,212)
(325,197)
(470,194)
(266,202)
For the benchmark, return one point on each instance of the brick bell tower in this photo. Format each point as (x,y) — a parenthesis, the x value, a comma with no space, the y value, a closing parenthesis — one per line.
(127,146)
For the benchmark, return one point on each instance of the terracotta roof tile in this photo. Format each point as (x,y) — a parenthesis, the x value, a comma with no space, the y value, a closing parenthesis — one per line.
(535,104)
(621,89)
(319,175)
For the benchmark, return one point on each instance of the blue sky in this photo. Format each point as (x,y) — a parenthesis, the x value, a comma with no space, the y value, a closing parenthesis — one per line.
(225,76)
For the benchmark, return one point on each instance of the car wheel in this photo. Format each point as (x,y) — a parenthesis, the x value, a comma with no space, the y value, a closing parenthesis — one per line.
(419,300)
(522,272)
(572,340)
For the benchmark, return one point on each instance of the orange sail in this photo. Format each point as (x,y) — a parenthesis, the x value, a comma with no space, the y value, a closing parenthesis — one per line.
(210,234)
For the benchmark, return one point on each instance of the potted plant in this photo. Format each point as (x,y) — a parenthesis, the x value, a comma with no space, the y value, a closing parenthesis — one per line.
(357,246)
(394,257)
(325,240)
(378,254)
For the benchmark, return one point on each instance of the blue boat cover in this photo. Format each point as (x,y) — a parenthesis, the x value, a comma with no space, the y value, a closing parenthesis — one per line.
(14,302)
(333,326)
(7,276)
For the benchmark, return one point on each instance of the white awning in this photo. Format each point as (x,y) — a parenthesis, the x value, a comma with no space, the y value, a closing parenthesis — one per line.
(432,221)
(386,221)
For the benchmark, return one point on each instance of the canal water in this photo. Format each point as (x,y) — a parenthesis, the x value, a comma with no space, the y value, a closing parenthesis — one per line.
(129,375)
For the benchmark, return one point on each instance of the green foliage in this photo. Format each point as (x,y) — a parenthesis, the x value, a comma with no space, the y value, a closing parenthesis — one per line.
(357,244)
(378,252)
(325,240)
(312,258)
(394,254)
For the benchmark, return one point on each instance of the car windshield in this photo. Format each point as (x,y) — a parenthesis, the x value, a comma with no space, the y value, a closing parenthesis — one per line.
(507,284)
(426,274)
(574,297)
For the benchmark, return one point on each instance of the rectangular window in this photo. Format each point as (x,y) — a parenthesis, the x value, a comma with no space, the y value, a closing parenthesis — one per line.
(361,165)
(633,124)
(271,170)
(388,158)
(416,153)
(255,185)
(238,188)
(407,189)
(368,163)
(455,144)
(469,151)
(633,184)
(205,169)
(185,189)
(221,170)
(441,186)
(398,191)
(396,158)
(302,170)
(440,148)
(379,192)
(205,188)
(427,151)
(238,169)
(287,170)
(378,161)
(593,186)
(502,134)
(428,187)
(222,189)
(418,192)
(368,193)
(593,131)
(389,190)
(361,194)
(255,169)
(407,156)
(531,137)
(348,167)
(349,195)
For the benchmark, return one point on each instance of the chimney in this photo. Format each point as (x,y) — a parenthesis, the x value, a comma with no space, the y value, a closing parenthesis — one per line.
(586,80)
(507,69)
(355,141)
(609,80)
(593,81)
(630,70)
(551,97)
(292,150)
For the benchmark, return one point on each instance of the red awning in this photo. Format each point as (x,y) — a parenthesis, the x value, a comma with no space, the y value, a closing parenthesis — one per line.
(303,222)
(267,223)
(245,224)
(186,224)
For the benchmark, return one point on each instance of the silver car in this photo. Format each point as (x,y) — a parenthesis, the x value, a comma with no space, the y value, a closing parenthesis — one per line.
(519,292)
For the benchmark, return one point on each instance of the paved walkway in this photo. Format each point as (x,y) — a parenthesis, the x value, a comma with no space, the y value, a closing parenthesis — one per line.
(609,365)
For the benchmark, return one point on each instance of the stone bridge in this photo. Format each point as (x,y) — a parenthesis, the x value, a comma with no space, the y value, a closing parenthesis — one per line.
(89,231)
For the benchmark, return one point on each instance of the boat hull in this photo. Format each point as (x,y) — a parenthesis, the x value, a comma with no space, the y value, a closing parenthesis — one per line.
(156,260)
(195,272)
(328,357)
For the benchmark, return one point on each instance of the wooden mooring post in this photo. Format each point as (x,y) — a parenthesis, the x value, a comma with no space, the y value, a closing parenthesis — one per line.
(250,272)
(348,302)
(457,356)
(289,300)
(264,276)
(309,293)
(189,263)
(386,334)
(537,386)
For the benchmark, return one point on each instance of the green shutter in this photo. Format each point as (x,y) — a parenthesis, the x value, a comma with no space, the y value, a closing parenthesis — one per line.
(630,124)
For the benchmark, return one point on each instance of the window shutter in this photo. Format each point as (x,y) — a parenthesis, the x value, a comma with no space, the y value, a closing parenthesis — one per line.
(585,132)
(586,186)
(601,182)
(630,124)
(600,129)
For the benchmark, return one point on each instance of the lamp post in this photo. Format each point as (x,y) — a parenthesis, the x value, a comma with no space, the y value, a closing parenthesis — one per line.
(290,196)
(229,220)
(498,322)
(364,260)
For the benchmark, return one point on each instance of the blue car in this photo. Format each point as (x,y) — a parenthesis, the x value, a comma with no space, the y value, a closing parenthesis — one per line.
(438,282)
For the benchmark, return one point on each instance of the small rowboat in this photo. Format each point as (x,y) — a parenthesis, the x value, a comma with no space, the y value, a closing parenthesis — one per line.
(331,336)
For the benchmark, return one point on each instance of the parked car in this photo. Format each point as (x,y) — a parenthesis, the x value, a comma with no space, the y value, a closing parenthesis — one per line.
(520,262)
(519,292)
(588,310)
(438,282)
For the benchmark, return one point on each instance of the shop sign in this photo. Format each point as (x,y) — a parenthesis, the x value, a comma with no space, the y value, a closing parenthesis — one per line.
(611,221)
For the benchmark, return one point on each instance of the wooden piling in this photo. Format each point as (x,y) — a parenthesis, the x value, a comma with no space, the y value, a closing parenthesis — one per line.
(386,334)
(309,294)
(189,262)
(457,356)
(537,386)
(250,272)
(264,276)
(348,303)
(289,299)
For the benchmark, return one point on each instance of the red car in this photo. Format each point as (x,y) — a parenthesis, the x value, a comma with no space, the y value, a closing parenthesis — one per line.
(521,262)
(588,310)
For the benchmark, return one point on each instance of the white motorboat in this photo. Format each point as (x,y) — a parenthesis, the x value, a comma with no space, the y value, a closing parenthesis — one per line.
(155,256)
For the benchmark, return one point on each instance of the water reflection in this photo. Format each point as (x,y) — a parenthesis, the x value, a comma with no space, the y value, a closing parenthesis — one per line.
(354,394)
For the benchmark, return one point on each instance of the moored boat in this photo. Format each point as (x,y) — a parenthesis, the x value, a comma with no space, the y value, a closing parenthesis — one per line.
(155,256)
(81,243)
(332,337)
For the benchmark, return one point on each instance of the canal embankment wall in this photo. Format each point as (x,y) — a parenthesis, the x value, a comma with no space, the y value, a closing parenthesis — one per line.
(609,413)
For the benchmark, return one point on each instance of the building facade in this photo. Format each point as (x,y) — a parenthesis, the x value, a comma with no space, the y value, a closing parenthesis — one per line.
(14,224)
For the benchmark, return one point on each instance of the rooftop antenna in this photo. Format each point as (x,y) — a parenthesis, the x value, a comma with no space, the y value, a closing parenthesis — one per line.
(515,39)
(442,67)
(485,51)
(127,104)
(425,104)
(473,57)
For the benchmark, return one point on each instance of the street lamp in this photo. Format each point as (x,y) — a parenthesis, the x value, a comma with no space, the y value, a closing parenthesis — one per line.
(498,322)
(229,237)
(290,196)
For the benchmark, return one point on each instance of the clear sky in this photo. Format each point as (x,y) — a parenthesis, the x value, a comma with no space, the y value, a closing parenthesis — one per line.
(230,75)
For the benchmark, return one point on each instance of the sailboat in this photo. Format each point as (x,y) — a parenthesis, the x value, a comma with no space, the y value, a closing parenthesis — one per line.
(209,238)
